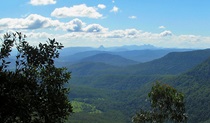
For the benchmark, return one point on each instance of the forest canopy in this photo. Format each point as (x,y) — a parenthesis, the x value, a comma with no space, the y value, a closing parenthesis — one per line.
(33,91)
(167,105)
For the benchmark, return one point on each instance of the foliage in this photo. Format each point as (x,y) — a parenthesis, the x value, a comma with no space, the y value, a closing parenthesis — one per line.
(196,86)
(34,91)
(167,104)
(81,107)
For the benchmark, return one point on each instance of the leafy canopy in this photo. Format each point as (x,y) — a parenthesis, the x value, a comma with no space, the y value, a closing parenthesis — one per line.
(166,103)
(33,91)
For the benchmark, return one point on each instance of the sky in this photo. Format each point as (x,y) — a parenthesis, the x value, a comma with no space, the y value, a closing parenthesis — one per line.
(162,23)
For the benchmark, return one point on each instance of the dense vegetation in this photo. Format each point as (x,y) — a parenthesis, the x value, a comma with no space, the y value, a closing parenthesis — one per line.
(167,105)
(124,89)
(33,92)
(195,84)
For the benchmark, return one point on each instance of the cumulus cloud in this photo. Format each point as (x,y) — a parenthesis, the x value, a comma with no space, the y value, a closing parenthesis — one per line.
(75,25)
(132,17)
(101,6)
(76,11)
(42,2)
(114,9)
(162,27)
(95,28)
(132,31)
(33,21)
(165,33)
(127,33)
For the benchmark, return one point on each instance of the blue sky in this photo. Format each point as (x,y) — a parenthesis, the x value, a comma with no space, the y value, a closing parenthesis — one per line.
(162,23)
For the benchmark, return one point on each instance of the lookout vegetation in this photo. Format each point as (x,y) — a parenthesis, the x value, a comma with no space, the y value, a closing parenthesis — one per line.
(167,105)
(33,90)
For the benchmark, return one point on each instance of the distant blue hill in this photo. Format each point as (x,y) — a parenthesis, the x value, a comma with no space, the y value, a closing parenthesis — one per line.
(109,59)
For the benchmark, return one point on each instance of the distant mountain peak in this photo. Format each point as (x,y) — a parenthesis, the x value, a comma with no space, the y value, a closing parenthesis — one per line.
(101,47)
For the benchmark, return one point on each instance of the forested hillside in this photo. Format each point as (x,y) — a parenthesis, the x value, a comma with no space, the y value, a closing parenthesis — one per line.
(172,63)
(122,91)
(109,59)
(196,86)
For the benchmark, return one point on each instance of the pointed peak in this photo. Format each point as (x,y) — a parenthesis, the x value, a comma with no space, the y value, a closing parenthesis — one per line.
(101,47)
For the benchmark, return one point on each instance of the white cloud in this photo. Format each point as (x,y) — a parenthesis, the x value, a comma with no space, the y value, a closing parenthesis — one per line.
(123,34)
(73,32)
(132,31)
(121,37)
(162,27)
(42,2)
(95,28)
(76,11)
(115,34)
(113,1)
(132,17)
(190,38)
(165,33)
(114,9)
(33,21)
(101,6)
(75,25)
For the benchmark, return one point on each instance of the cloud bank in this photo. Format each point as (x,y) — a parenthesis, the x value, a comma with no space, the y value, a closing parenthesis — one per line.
(76,32)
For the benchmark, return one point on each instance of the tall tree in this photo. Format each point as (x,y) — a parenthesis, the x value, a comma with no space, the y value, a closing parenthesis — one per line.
(34,91)
(167,105)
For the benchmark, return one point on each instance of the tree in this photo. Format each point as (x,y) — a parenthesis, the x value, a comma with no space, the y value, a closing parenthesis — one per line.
(34,91)
(166,103)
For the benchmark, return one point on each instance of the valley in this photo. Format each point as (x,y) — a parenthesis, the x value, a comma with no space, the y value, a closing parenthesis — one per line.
(112,88)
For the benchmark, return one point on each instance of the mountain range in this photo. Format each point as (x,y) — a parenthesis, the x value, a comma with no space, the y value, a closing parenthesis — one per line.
(118,85)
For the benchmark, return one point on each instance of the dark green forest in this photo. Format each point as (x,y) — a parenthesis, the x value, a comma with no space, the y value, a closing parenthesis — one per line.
(121,92)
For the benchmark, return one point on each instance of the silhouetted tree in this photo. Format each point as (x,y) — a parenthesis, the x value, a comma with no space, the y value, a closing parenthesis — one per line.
(34,91)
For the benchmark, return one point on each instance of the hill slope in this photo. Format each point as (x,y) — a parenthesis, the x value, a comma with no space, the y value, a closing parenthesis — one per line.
(109,59)
(90,68)
(76,54)
(172,63)
(196,86)
(125,89)
(147,55)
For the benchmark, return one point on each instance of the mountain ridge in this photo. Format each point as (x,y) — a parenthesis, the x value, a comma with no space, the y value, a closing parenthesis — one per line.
(109,59)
